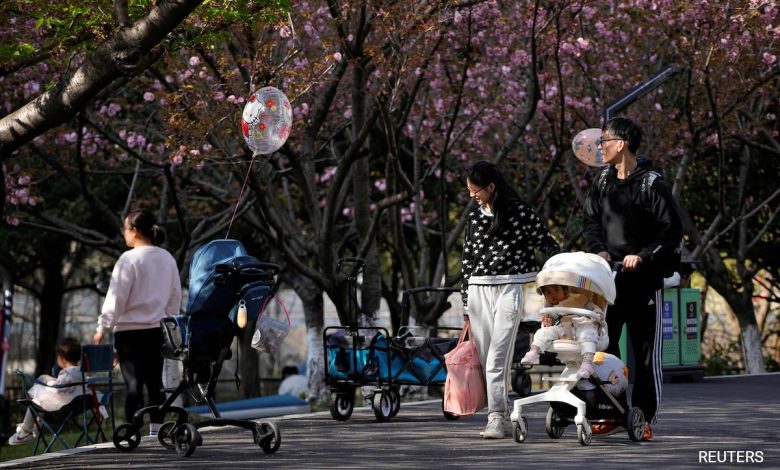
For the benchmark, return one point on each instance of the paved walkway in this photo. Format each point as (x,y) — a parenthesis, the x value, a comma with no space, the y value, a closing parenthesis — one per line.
(731,420)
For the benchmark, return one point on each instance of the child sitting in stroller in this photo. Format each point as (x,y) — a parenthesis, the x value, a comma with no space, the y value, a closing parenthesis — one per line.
(585,330)
(574,400)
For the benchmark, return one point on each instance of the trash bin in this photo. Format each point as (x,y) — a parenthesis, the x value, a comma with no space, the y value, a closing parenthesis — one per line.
(680,334)
(684,342)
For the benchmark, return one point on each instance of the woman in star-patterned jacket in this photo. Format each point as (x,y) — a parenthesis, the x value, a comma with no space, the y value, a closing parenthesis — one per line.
(498,258)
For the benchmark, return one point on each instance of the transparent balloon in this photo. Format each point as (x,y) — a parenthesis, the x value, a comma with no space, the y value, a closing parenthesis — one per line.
(266,120)
(586,148)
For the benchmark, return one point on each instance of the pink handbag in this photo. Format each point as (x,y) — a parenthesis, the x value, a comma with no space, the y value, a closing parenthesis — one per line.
(464,389)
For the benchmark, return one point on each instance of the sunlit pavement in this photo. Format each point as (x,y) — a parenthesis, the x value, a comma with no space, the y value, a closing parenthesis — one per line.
(725,422)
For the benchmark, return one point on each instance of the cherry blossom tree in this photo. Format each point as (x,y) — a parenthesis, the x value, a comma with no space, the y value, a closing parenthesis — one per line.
(392,102)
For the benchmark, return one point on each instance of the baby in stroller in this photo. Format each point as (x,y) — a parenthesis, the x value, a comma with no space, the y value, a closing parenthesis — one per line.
(574,399)
(585,330)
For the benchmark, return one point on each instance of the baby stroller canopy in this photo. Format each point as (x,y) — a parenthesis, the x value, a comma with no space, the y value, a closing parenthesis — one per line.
(582,270)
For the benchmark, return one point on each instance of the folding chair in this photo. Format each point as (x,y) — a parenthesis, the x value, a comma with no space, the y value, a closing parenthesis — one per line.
(55,423)
(82,411)
(97,366)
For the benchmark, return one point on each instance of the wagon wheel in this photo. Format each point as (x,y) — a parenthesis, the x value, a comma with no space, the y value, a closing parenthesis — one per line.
(382,404)
(341,405)
(395,398)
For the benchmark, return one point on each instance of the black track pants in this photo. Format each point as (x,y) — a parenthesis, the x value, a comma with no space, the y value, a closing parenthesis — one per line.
(638,306)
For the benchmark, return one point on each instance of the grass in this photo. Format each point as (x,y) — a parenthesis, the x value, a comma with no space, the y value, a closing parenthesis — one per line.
(25,450)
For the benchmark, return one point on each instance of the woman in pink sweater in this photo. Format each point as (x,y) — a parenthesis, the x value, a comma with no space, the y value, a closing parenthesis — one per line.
(145,287)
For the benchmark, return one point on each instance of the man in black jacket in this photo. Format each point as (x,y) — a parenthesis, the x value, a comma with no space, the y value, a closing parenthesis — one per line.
(631,217)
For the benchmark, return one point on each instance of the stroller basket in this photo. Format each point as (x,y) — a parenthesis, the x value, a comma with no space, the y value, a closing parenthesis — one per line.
(175,337)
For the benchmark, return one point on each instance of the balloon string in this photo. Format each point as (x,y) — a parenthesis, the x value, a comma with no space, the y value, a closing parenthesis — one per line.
(571,214)
(243,187)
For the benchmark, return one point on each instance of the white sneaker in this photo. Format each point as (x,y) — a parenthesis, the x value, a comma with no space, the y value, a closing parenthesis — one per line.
(21,436)
(495,427)
(507,429)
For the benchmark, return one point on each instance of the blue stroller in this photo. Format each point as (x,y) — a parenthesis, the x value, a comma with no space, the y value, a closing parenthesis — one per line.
(221,275)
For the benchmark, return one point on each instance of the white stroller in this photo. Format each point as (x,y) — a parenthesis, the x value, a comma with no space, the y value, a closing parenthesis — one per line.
(572,400)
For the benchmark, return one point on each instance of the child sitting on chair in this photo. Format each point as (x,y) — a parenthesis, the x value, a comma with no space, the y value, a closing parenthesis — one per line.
(585,330)
(48,397)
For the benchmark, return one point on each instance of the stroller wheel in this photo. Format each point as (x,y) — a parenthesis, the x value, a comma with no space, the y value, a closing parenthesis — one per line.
(584,433)
(553,424)
(382,403)
(186,439)
(520,429)
(269,437)
(126,438)
(635,424)
(341,405)
(165,435)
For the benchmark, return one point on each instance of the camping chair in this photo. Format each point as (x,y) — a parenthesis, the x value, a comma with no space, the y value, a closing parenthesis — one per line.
(97,366)
(82,411)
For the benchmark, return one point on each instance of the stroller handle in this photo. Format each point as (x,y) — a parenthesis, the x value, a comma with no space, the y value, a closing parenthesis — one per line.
(563,311)
(260,268)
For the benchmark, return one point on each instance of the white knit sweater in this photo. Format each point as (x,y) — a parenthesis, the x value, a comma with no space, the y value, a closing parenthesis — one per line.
(145,288)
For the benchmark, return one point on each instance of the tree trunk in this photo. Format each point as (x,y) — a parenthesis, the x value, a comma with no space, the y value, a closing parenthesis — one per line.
(752,347)
(51,314)
(704,313)
(371,292)
(313,310)
(738,295)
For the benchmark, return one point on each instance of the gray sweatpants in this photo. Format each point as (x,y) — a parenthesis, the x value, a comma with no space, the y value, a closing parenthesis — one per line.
(494,312)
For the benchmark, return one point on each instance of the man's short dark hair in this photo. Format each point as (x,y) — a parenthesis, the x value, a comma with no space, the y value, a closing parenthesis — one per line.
(626,129)
(70,350)
(289,370)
